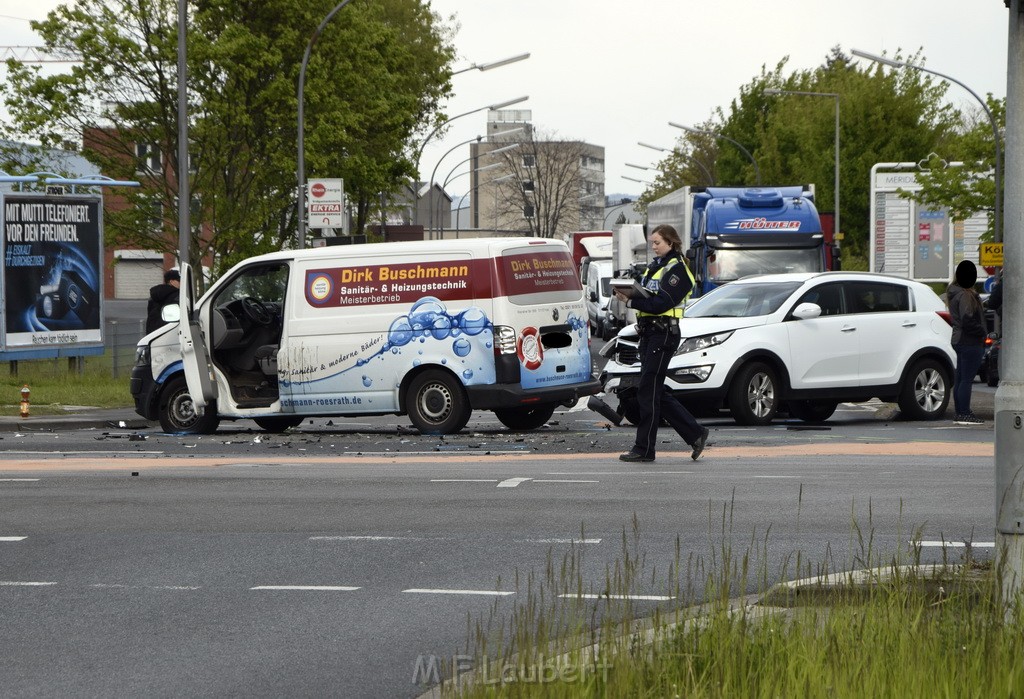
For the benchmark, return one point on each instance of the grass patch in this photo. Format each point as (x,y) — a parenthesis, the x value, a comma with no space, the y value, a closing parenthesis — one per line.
(54,385)
(896,628)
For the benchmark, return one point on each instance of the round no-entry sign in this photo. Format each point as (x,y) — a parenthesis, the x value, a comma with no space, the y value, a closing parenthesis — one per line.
(318,189)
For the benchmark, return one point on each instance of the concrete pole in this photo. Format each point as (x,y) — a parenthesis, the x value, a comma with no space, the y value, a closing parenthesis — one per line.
(1009,400)
(184,193)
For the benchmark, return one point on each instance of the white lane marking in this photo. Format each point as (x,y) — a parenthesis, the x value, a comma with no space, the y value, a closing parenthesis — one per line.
(558,541)
(323,588)
(541,480)
(512,482)
(18,480)
(492,593)
(463,480)
(958,544)
(651,598)
(14,583)
(119,586)
(13,538)
(366,538)
(780,477)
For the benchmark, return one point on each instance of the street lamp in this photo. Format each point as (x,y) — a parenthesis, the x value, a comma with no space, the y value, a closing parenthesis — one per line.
(499,105)
(496,151)
(453,176)
(835,218)
(301,135)
(702,166)
(493,64)
(997,220)
(757,171)
(633,179)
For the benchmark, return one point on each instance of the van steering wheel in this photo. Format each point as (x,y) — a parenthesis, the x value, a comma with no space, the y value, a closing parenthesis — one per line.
(256,311)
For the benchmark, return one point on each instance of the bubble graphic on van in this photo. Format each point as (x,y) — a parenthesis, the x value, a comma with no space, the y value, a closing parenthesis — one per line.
(441,327)
(400,332)
(367,381)
(461,347)
(472,321)
(467,374)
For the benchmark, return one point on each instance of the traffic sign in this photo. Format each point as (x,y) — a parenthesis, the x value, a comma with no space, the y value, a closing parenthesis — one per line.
(325,205)
(990,254)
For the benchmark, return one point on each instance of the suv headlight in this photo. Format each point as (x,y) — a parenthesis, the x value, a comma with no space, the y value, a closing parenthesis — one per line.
(702,342)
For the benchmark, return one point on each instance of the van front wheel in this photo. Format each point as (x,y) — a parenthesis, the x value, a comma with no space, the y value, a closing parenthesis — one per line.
(178,413)
(437,403)
(525,418)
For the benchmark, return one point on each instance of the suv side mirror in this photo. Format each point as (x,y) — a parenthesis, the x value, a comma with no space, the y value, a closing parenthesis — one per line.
(806,311)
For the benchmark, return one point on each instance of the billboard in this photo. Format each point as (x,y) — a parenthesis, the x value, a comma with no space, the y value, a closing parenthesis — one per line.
(52,248)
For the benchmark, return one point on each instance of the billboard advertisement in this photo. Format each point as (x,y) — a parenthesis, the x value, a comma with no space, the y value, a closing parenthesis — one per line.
(52,250)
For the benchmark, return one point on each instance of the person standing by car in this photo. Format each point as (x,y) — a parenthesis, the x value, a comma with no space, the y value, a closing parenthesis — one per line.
(159,296)
(968,319)
(669,283)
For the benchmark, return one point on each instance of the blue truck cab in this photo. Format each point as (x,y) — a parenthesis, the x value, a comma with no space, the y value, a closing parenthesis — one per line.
(739,231)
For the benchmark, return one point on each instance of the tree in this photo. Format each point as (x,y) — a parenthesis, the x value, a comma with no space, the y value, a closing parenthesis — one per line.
(885,116)
(547,190)
(970,189)
(375,79)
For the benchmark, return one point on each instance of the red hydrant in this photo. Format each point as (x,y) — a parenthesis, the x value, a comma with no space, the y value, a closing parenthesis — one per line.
(24,400)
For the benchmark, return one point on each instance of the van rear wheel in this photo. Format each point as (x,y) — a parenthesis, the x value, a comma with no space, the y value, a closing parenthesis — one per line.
(178,413)
(525,418)
(437,403)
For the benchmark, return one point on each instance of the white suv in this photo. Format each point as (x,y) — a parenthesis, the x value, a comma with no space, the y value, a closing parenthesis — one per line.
(806,342)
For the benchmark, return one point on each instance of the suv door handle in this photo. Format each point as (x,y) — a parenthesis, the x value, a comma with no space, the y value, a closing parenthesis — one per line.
(909,324)
(847,329)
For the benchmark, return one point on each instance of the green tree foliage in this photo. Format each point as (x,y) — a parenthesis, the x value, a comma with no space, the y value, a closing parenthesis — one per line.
(885,116)
(375,80)
(968,189)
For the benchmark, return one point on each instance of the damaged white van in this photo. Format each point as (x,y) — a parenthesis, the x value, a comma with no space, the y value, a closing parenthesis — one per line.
(430,329)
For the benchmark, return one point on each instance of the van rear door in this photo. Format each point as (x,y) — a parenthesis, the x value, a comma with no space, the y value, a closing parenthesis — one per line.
(194,355)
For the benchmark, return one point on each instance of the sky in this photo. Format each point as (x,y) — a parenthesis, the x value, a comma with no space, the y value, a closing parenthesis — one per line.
(615,73)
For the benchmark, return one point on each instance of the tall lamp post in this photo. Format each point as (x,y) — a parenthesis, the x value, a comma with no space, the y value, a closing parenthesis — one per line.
(493,64)
(497,151)
(302,123)
(633,179)
(702,166)
(835,219)
(757,170)
(997,218)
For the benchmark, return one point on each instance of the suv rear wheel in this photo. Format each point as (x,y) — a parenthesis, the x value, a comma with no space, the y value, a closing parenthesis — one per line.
(925,392)
(754,394)
(812,410)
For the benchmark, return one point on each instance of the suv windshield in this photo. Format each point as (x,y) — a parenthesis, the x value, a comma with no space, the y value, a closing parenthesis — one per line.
(726,265)
(743,300)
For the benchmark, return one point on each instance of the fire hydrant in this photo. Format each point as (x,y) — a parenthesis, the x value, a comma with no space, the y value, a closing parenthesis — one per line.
(24,400)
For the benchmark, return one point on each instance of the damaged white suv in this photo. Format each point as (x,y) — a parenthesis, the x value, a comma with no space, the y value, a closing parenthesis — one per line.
(802,343)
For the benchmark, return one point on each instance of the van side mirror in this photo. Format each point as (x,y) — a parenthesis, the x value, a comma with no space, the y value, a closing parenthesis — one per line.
(593,296)
(171,313)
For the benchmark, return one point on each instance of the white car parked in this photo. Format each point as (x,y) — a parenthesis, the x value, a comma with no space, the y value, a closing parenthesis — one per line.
(805,342)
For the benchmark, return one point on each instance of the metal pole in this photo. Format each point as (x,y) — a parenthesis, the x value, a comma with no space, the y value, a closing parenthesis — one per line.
(301,139)
(757,170)
(835,205)
(184,195)
(1009,400)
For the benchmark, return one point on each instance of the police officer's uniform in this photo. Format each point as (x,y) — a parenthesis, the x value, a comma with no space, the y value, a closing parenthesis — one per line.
(670,284)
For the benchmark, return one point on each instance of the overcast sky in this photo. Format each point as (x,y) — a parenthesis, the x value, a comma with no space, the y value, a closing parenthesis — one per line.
(614,73)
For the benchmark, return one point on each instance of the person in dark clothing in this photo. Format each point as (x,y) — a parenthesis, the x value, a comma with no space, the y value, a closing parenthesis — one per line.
(968,339)
(669,283)
(159,296)
(995,299)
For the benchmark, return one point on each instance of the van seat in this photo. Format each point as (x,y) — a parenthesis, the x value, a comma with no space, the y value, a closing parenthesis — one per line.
(266,357)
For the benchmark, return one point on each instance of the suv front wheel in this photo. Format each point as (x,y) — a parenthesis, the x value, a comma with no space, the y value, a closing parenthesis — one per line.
(925,392)
(754,394)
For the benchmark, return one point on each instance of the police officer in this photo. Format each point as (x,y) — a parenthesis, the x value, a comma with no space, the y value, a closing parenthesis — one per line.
(670,283)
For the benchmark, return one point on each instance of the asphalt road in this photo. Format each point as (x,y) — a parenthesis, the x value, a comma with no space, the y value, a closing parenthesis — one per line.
(337,559)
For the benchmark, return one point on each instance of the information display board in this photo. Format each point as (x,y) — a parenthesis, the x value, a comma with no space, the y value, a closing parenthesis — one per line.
(912,240)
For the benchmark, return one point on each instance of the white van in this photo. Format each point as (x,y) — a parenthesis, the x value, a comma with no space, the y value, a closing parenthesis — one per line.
(597,277)
(431,329)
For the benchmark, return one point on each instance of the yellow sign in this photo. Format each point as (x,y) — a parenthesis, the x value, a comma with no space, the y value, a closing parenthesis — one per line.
(990,254)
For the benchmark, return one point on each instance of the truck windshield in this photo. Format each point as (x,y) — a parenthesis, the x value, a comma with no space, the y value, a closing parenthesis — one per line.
(726,265)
